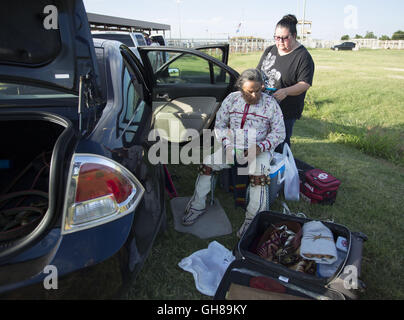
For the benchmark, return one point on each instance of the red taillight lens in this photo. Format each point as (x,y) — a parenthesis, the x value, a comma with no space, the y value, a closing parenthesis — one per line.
(99,190)
(96,181)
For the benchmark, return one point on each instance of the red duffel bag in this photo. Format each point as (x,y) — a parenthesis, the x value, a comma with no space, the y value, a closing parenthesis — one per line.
(319,186)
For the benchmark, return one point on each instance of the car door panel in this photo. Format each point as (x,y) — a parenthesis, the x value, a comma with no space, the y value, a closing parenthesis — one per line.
(188,88)
(174,117)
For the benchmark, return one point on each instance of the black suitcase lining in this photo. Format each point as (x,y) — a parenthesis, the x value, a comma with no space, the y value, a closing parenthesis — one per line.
(263,222)
(233,275)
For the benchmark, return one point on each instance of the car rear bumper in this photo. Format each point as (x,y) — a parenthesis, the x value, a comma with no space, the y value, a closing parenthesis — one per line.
(77,265)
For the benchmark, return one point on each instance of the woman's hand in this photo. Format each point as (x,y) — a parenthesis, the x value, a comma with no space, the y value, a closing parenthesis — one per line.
(229,155)
(280,94)
(253,150)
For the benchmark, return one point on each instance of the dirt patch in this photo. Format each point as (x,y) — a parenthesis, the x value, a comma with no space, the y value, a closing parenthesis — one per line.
(394,69)
(325,67)
(396,77)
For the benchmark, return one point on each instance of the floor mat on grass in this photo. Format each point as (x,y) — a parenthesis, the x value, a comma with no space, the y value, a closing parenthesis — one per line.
(213,223)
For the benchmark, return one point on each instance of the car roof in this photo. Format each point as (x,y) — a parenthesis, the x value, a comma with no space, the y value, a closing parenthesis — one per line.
(115,32)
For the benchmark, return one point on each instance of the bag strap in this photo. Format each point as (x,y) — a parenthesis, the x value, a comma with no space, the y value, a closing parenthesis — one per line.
(286,210)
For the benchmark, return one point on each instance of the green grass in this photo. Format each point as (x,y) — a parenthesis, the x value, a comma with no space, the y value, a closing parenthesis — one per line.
(352,127)
(358,98)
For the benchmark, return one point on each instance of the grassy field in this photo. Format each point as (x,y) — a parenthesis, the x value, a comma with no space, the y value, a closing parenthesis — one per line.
(352,127)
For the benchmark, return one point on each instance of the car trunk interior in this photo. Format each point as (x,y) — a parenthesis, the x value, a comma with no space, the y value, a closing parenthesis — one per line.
(25,156)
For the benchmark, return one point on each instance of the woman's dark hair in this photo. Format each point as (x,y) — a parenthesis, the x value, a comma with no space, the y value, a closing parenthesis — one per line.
(289,21)
(249,75)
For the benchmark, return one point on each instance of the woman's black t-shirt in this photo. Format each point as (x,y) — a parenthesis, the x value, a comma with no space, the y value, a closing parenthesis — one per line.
(285,71)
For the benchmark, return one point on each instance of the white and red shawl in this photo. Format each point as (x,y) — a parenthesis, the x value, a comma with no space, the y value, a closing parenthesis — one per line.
(235,118)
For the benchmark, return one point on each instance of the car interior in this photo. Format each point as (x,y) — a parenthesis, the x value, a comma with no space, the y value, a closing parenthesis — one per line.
(187,94)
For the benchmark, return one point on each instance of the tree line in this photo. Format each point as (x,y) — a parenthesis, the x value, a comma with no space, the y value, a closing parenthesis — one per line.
(398,35)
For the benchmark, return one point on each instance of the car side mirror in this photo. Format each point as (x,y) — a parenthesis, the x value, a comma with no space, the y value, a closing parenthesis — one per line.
(174,72)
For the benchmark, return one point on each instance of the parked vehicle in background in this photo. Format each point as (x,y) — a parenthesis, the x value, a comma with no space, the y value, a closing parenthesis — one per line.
(160,39)
(130,39)
(344,46)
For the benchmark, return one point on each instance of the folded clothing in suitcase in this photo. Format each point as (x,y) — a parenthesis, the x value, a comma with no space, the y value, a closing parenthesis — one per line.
(281,268)
(319,186)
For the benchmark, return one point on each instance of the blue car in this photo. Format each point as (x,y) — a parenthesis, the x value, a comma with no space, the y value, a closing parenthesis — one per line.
(81,200)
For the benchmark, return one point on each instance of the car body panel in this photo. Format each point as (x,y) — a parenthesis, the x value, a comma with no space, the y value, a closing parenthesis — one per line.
(127,240)
(72,55)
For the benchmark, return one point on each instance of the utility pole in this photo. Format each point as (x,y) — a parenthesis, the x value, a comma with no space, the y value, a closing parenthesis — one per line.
(304,19)
(179,17)
(298,10)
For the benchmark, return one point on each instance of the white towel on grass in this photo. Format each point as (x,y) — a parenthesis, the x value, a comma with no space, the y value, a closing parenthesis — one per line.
(208,267)
(317,239)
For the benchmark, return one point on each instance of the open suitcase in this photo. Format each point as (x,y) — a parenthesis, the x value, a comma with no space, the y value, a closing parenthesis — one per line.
(251,277)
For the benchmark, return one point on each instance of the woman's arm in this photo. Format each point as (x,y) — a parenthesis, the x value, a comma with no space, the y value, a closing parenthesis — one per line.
(294,90)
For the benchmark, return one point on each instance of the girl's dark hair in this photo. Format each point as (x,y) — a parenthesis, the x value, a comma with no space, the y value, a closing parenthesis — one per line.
(289,21)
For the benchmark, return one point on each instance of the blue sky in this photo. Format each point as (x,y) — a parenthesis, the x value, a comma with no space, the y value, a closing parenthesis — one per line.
(220,18)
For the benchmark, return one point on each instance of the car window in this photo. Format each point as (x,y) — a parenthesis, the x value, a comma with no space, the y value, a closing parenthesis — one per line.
(124,38)
(214,52)
(159,39)
(25,31)
(133,105)
(174,67)
(221,76)
(187,68)
(140,40)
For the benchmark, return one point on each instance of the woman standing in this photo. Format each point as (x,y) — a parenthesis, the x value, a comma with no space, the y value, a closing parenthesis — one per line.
(288,67)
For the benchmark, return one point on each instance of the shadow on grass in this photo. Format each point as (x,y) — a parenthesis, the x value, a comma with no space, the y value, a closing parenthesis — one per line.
(380,142)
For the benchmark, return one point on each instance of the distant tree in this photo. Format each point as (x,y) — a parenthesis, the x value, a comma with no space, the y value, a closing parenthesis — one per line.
(384,38)
(398,35)
(358,36)
(370,35)
(345,37)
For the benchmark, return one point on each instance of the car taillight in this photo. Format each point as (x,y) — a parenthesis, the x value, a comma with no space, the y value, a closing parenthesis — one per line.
(99,191)
(95,180)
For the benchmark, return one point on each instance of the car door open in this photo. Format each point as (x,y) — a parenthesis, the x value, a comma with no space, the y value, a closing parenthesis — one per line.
(188,87)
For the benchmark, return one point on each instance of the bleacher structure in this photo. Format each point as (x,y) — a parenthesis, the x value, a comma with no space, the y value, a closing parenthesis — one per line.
(109,23)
